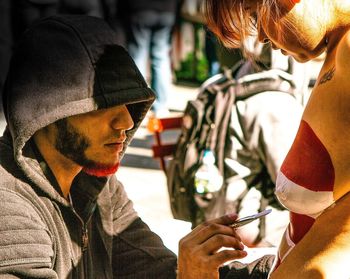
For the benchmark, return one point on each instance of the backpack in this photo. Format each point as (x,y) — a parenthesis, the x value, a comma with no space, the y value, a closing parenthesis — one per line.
(206,123)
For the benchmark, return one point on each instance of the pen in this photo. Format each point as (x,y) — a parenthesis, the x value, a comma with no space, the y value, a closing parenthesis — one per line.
(246,220)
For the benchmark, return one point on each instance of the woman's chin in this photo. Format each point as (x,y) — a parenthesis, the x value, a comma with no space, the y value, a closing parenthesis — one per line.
(301,58)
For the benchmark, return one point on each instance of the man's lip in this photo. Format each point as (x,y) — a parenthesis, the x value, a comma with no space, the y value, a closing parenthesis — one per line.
(116,145)
(116,141)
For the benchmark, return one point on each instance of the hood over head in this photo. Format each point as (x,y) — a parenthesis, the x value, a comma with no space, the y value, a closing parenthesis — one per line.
(64,66)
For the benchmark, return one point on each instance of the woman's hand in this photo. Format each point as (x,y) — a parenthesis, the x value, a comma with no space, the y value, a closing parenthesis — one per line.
(199,252)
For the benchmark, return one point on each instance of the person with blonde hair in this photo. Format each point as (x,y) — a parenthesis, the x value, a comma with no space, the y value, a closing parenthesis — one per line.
(314,179)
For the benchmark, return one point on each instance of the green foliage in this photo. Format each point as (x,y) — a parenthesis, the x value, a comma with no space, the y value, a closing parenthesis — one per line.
(193,69)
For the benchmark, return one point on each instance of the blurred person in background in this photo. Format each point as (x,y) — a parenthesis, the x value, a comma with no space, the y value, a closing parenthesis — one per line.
(261,131)
(26,12)
(148,26)
(210,50)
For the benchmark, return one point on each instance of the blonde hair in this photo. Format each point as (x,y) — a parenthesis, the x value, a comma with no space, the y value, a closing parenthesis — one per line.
(232,23)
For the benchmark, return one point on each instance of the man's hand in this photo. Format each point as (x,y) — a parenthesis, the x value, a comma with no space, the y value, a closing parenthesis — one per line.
(200,253)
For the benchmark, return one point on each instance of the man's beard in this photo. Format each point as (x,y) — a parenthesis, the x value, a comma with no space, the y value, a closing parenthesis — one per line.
(72,144)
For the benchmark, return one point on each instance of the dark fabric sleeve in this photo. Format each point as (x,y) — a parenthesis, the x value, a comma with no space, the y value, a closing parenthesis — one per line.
(259,269)
(140,253)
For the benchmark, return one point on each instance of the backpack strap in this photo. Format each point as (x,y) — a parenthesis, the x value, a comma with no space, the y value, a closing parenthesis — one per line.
(223,128)
(271,80)
(223,91)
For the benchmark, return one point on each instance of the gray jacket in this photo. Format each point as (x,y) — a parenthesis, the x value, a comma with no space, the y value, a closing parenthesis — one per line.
(65,66)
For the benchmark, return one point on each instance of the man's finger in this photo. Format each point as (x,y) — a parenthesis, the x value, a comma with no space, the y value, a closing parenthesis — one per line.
(207,229)
(218,241)
(226,255)
(223,220)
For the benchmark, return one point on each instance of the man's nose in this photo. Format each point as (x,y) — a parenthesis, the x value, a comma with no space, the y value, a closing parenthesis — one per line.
(122,119)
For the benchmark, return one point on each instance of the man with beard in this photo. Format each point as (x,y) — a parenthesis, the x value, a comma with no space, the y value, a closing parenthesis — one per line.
(73,100)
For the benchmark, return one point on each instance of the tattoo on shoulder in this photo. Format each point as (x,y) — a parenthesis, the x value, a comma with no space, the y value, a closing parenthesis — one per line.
(327,76)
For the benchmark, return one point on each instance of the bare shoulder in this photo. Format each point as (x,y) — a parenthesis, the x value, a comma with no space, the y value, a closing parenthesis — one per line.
(347,40)
(341,79)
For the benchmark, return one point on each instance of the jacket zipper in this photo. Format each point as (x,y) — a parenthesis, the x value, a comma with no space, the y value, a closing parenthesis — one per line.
(84,247)
(85,237)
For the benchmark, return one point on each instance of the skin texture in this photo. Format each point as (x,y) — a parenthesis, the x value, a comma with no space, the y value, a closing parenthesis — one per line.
(321,253)
(92,141)
(73,145)
(199,255)
(297,30)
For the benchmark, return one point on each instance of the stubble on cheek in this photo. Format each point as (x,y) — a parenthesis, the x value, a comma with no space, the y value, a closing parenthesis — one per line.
(74,145)
(71,143)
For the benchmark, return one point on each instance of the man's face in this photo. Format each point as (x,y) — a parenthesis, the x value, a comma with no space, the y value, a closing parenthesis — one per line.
(94,140)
